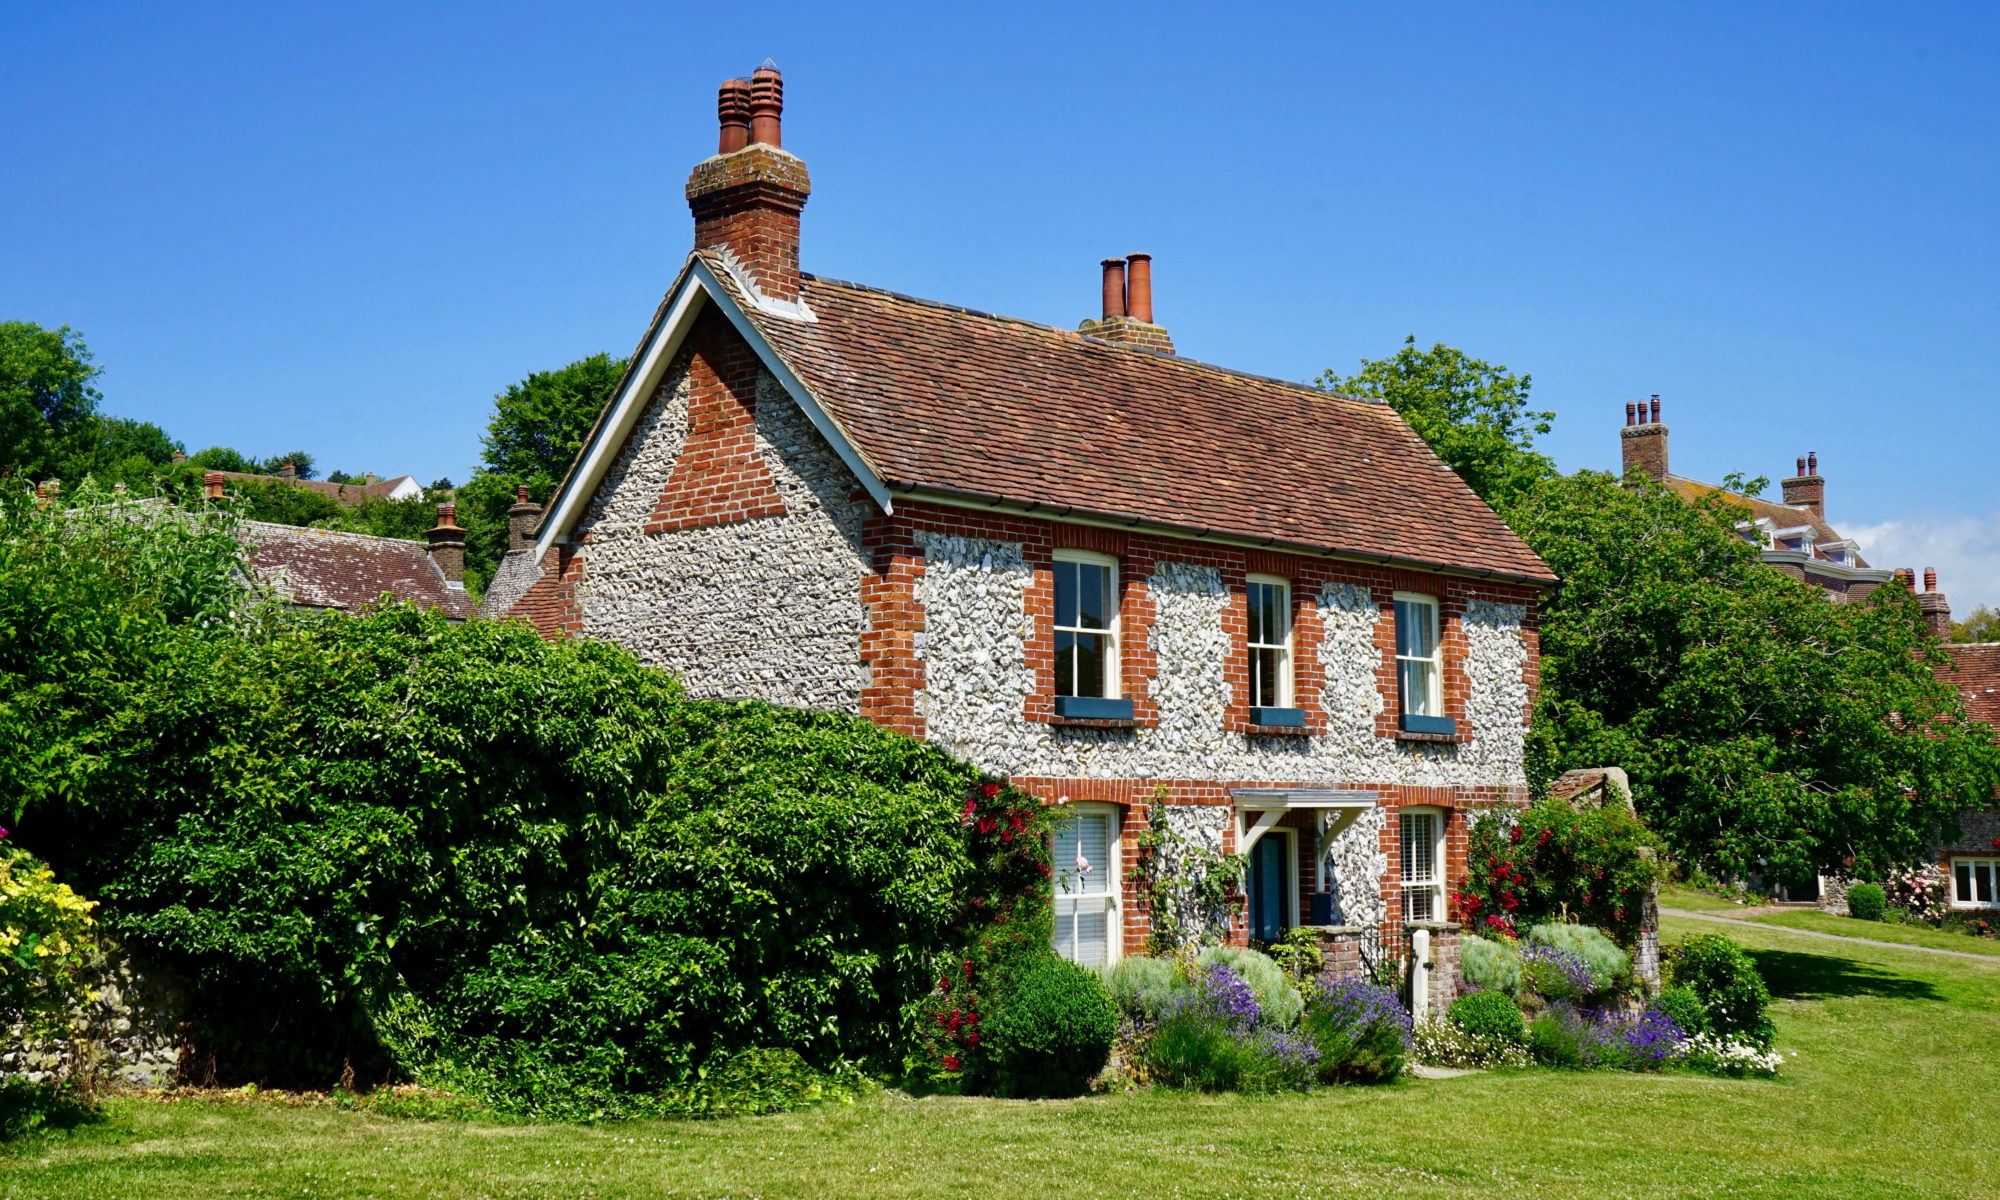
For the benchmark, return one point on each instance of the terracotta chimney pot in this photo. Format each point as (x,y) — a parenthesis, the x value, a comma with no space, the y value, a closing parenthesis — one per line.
(1139,287)
(767,105)
(1114,288)
(732,107)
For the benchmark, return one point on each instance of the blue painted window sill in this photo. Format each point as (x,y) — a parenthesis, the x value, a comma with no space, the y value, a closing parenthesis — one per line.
(1095,708)
(1295,717)
(1415,724)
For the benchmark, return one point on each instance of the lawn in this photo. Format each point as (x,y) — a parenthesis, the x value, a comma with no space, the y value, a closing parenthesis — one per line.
(1894,1091)
(1883,931)
(1674,895)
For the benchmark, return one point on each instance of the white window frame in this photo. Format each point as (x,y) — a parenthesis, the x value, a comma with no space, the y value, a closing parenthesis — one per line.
(1435,883)
(1284,648)
(1070,906)
(1112,682)
(1978,864)
(1435,659)
(1289,878)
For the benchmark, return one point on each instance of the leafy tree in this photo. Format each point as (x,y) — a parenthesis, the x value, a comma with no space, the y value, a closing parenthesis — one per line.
(1982,624)
(302,464)
(1473,415)
(537,429)
(224,458)
(442,484)
(47,404)
(283,503)
(1767,730)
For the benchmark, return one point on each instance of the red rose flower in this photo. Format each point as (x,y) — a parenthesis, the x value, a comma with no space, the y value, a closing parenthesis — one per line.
(990,790)
(972,1039)
(951,1062)
(966,966)
(1516,835)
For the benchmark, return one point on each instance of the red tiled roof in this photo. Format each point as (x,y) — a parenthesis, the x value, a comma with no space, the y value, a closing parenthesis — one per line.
(1977,679)
(1784,516)
(347,495)
(325,568)
(943,398)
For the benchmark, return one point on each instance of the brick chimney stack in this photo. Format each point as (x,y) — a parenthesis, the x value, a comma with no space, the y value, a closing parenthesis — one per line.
(288,472)
(1936,609)
(1644,440)
(448,544)
(747,199)
(1807,489)
(522,519)
(1128,306)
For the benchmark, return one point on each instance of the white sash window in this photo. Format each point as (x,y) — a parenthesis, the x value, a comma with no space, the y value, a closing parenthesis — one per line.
(1423,864)
(1088,930)
(1973,882)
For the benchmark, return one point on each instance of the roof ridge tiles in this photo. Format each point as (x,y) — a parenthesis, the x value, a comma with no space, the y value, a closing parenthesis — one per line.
(1161,355)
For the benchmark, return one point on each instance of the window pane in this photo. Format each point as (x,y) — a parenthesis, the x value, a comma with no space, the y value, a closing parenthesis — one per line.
(1419,848)
(1414,634)
(1066,593)
(1276,621)
(1265,668)
(1982,878)
(1083,927)
(1253,596)
(1419,686)
(1417,904)
(1962,879)
(1093,596)
(1087,838)
(1089,664)
(1065,664)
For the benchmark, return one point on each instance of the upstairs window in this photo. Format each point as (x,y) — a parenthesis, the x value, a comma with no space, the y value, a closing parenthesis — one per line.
(1270,603)
(1086,624)
(1086,893)
(1975,882)
(1423,864)
(1419,682)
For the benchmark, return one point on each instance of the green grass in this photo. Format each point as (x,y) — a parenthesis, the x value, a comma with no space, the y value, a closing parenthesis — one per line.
(1894,1091)
(1675,895)
(1883,931)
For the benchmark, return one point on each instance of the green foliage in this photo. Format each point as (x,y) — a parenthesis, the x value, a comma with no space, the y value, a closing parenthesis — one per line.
(27,1109)
(1298,955)
(1867,902)
(1557,862)
(536,432)
(1184,887)
(1557,1039)
(300,461)
(224,458)
(45,942)
(1473,415)
(282,503)
(1489,1015)
(1140,985)
(1276,996)
(1766,730)
(1734,1000)
(1052,1029)
(1982,624)
(1609,965)
(1489,964)
(407,518)
(47,406)
(1360,1031)
(1684,1008)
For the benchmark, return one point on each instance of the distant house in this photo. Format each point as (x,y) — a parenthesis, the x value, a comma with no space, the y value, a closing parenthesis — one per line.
(347,495)
(1111,574)
(1794,534)
(1970,866)
(346,572)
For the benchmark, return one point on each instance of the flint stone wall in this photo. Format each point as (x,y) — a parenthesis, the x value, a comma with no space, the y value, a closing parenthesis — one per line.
(767,607)
(130,1029)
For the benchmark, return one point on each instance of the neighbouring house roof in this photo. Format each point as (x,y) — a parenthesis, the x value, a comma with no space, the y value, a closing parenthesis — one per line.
(945,401)
(1781,516)
(1977,678)
(348,495)
(325,568)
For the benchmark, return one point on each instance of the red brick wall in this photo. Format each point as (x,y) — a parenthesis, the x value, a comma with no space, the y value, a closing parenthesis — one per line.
(720,476)
(749,203)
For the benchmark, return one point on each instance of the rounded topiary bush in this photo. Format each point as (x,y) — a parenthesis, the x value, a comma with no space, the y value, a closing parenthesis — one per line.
(1489,1015)
(1733,997)
(1051,1030)
(1490,965)
(1867,902)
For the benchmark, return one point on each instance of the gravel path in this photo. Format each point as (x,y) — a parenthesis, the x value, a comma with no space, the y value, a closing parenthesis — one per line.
(1837,937)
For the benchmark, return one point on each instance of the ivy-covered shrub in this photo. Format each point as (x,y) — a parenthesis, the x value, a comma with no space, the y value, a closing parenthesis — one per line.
(1360,1029)
(1214,1037)
(1867,902)
(1606,965)
(1277,999)
(1733,996)
(1490,964)
(1558,862)
(1051,1030)
(1489,1015)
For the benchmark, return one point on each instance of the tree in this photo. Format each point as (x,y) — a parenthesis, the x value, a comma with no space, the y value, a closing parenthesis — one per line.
(47,406)
(224,458)
(1473,415)
(1767,730)
(1982,624)
(538,427)
(301,464)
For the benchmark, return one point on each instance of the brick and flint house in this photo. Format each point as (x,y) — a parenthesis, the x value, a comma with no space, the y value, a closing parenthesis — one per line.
(1111,574)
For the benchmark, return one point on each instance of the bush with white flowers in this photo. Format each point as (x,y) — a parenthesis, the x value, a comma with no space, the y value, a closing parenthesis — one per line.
(1728,1056)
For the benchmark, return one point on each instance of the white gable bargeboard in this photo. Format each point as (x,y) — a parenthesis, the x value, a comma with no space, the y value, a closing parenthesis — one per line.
(768,607)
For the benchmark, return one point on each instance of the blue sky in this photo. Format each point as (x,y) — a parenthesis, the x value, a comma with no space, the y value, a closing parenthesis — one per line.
(344,227)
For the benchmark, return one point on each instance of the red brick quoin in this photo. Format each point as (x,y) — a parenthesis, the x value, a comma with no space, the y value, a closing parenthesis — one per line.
(720,476)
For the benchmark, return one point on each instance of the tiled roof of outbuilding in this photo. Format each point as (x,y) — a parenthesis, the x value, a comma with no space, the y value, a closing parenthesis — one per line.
(326,568)
(347,495)
(947,399)
(1977,679)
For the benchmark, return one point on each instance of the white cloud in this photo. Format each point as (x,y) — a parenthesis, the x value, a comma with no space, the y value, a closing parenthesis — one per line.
(1965,551)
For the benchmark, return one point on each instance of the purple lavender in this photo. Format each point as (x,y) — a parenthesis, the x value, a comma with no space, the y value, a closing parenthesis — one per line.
(1220,993)
(1652,1038)
(1290,1053)
(1356,1004)
(1557,974)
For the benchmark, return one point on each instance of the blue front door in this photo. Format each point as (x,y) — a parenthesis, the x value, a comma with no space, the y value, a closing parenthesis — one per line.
(1266,885)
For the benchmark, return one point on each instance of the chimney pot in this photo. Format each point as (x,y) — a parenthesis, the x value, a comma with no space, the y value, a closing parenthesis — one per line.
(211,483)
(1631,417)
(1930,579)
(522,519)
(732,109)
(41,495)
(1801,465)
(1812,462)
(520,493)
(1656,408)
(1139,287)
(767,105)
(179,458)
(1114,288)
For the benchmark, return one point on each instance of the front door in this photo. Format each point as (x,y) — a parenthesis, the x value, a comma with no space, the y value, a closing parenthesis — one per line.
(1269,885)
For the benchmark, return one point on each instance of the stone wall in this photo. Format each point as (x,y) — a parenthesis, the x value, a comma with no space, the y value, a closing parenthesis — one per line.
(767,605)
(131,1029)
